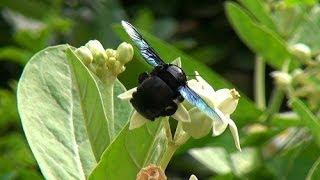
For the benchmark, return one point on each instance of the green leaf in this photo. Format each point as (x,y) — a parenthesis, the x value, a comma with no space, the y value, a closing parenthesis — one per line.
(122,109)
(314,172)
(58,111)
(35,9)
(294,163)
(16,158)
(131,151)
(189,65)
(214,158)
(308,29)
(8,110)
(220,162)
(285,120)
(259,10)
(258,38)
(93,111)
(307,117)
(300,2)
(14,54)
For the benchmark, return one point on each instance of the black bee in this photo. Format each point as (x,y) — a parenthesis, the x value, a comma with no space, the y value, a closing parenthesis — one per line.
(160,91)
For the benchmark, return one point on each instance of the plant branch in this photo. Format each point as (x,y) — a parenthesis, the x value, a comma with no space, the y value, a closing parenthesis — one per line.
(259,83)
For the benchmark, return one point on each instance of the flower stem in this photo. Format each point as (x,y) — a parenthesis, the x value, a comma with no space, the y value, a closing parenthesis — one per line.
(172,147)
(259,80)
(180,137)
(168,129)
(275,103)
(108,102)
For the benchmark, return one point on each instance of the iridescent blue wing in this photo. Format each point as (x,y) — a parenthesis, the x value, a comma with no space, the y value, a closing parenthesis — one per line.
(194,99)
(146,50)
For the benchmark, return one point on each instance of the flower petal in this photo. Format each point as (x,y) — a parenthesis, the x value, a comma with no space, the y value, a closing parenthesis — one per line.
(137,120)
(204,83)
(197,87)
(234,131)
(227,100)
(219,125)
(128,94)
(181,114)
(200,124)
(218,128)
(177,62)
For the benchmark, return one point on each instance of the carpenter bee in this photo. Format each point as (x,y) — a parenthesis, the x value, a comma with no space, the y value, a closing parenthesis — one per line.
(160,91)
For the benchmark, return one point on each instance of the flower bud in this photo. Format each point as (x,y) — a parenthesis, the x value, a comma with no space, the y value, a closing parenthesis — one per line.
(300,50)
(282,79)
(124,52)
(111,53)
(110,62)
(84,54)
(97,51)
(200,124)
(298,75)
(151,172)
(193,177)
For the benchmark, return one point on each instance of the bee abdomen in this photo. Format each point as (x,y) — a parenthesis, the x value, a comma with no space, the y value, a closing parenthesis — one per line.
(154,98)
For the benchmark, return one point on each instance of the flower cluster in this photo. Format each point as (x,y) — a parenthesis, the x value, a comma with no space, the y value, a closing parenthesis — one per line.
(195,122)
(302,83)
(105,63)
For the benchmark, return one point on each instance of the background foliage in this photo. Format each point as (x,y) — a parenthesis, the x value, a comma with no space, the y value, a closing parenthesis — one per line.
(210,37)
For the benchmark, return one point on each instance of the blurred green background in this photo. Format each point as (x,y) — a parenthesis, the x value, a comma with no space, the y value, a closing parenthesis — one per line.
(199,28)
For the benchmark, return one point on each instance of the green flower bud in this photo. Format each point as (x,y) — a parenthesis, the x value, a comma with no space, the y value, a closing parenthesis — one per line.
(200,124)
(124,52)
(97,50)
(300,50)
(84,54)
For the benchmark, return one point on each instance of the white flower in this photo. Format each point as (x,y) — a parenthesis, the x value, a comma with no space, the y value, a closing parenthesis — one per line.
(137,120)
(223,101)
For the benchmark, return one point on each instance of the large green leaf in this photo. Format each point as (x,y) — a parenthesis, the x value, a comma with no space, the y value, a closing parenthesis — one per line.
(259,10)
(50,109)
(131,151)
(169,53)
(260,39)
(91,106)
(308,118)
(117,111)
(122,109)
(63,115)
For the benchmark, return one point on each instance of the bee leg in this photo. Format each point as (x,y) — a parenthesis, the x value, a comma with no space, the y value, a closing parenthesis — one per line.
(171,109)
(180,99)
(142,77)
